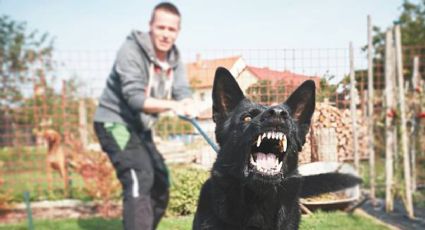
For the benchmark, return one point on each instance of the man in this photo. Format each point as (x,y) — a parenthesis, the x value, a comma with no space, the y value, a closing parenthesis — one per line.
(147,78)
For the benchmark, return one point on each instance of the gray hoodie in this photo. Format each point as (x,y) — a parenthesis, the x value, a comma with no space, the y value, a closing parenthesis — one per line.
(136,75)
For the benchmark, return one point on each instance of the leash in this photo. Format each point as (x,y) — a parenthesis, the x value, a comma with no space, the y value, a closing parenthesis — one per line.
(195,123)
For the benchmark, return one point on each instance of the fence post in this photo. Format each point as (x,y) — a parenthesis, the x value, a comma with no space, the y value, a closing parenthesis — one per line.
(35,112)
(403,130)
(389,114)
(28,209)
(327,144)
(82,113)
(353,109)
(415,122)
(370,102)
(65,131)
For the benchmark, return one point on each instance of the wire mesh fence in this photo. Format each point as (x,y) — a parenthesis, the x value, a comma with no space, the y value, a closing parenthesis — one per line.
(65,97)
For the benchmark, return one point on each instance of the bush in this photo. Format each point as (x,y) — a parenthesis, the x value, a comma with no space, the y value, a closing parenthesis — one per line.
(186,184)
(167,125)
(100,181)
(5,197)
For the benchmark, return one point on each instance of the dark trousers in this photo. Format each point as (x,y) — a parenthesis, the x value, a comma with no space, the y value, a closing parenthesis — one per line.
(143,176)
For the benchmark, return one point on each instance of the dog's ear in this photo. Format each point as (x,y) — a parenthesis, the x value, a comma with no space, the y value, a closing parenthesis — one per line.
(226,93)
(301,104)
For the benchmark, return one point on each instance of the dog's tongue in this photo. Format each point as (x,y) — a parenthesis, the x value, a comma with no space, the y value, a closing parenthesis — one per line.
(266,161)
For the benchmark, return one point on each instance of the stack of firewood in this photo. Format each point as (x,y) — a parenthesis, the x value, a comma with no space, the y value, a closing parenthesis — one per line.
(327,116)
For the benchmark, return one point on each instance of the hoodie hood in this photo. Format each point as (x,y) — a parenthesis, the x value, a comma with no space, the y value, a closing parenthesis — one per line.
(145,43)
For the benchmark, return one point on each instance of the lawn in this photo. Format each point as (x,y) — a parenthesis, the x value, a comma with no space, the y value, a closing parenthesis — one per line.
(178,223)
(24,169)
(35,182)
(320,220)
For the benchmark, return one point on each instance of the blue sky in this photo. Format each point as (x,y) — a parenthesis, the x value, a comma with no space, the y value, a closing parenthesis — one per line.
(304,36)
(209,24)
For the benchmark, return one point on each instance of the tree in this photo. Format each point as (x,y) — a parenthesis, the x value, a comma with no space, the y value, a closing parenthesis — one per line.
(412,26)
(267,92)
(328,91)
(23,56)
(412,23)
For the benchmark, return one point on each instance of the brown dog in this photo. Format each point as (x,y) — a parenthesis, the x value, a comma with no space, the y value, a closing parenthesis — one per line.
(57,158)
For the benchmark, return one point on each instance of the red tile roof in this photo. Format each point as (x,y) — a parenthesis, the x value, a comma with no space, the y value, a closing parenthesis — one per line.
(287,77)
(290,79)
(201,72)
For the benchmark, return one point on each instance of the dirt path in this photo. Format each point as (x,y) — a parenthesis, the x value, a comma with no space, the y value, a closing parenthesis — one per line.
(398,217)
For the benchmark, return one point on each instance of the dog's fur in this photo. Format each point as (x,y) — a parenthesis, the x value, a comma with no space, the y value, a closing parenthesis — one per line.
(56,158)
(237,195)
(60,155)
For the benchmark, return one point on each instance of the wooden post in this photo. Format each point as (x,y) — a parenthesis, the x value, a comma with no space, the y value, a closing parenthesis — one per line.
(370,102)
(403,128)
(82,113)
(39,139)
(65,131)
(415,122)
(353,109)
(389,114)
(327,144)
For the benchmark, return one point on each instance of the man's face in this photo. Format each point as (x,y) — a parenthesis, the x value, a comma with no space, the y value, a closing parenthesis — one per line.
(164,29)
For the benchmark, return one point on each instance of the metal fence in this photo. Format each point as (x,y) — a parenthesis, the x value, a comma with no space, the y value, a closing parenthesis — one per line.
(65,98)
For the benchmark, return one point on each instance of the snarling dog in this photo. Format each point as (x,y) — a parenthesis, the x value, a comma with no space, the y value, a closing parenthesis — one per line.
(254,182)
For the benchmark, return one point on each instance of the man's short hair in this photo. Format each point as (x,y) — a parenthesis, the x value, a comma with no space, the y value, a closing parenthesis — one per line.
(167,7)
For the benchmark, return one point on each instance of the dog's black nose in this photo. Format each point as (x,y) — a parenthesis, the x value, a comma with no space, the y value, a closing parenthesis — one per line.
(274,112)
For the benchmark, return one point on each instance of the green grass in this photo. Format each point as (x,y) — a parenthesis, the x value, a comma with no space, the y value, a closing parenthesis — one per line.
(177,223)
(339,220)
(22,153)
(35,182)
(320,220)
(419,198)
(24,169)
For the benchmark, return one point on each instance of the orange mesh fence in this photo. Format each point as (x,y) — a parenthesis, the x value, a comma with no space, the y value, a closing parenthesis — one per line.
(65,99)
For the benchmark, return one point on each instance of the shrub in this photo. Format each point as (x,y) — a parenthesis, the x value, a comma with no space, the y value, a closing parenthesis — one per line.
(167,125)
(99,178)
(5,197)
(186,184)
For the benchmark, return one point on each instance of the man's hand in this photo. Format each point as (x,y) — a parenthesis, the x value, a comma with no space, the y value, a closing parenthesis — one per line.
(187,107)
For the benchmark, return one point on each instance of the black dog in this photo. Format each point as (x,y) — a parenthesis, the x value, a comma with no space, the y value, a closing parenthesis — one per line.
(254,182)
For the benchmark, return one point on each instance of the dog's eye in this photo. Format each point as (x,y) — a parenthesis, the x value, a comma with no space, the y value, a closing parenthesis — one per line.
(247,119)
(254,112)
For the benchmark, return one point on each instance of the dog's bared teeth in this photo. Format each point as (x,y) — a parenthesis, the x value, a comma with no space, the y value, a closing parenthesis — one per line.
(259,141)
(269,134)
(251,160)
(279,166)
(264,135)
(285,143)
